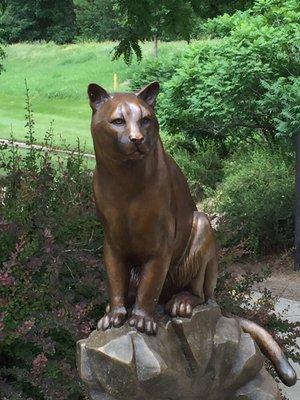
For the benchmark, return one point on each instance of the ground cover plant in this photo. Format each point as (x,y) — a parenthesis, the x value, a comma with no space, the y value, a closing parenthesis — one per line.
(52,290)
(255,201)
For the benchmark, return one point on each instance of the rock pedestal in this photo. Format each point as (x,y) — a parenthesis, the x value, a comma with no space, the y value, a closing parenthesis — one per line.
(206,357)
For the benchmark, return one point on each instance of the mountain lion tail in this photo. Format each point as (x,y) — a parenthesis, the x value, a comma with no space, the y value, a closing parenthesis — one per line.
(271,350)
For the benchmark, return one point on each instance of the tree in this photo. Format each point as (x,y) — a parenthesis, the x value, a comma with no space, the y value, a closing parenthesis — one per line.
(105,20)
(3,4)
(38,20)
(141,20)
(98,20)
(2,56)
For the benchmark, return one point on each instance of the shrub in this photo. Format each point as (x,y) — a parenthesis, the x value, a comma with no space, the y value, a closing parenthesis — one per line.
(276,13)
(200,162)
(52,290)
(157,69)
(256,199)
(223,25)
(242,88)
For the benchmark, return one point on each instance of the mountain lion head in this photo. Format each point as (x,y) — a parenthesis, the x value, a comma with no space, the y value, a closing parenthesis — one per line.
(124,125)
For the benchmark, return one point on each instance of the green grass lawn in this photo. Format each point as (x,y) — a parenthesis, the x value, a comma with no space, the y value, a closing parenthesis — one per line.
(57,77)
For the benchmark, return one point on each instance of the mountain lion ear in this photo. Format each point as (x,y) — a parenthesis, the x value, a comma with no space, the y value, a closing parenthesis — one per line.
(149,93)
(97,96)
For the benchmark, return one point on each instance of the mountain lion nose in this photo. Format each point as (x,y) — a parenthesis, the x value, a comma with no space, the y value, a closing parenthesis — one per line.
(136,139)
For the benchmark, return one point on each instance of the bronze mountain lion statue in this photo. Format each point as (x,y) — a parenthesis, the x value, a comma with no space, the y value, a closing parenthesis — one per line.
(157,247)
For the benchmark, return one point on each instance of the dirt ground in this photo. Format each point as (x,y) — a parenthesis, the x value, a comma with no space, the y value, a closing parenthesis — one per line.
(284,281)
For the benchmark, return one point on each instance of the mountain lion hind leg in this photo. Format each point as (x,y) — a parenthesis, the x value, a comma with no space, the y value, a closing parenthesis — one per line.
(197,273)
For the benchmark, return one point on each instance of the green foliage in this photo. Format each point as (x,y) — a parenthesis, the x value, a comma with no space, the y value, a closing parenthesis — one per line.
(209,9)
(98,20)
(38,20)
(244,87)
(126,48)
(276,13)
(129,22)
(256,201)
(51,277)
(3,5)
(200,162)
(2,56)
(157,69)
(224,24)
(169,20)
(143,20)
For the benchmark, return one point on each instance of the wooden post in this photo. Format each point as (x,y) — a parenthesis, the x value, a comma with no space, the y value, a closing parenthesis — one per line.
(297,210)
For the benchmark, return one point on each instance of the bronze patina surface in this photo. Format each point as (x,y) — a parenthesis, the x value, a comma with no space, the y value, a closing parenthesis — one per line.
(206,357)
(158,248)
(157,245)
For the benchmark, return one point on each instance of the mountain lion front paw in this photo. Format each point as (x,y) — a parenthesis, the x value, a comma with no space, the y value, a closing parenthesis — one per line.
(143,322)
(116,317)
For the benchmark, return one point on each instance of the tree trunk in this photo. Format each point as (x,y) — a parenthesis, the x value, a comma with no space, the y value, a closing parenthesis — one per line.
(297,211)
(155,46)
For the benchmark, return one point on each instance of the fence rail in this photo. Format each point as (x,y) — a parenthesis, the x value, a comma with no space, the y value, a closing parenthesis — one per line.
(23,145)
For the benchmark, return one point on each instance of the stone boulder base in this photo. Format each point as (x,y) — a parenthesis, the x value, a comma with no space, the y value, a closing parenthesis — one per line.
(206,357)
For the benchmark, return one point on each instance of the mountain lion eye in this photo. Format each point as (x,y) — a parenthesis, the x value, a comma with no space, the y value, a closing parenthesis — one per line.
(145,120)
(118,121)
